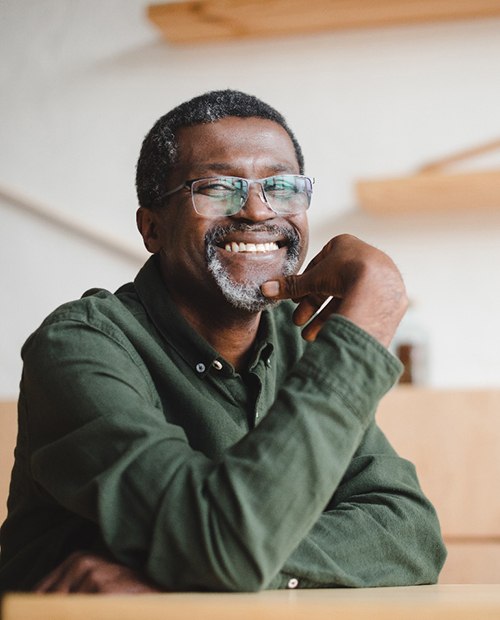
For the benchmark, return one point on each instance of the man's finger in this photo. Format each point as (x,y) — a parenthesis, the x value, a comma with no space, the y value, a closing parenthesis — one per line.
(313,328)
(290,287)
(56,581)
(307,308)
(71,575)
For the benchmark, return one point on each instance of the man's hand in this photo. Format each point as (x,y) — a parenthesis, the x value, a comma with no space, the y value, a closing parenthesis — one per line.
(89,573)
(363,282)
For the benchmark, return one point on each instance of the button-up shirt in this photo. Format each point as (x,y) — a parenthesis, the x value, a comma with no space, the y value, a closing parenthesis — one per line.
(137,439)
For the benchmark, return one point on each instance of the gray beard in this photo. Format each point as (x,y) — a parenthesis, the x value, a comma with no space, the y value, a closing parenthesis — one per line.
(247,295)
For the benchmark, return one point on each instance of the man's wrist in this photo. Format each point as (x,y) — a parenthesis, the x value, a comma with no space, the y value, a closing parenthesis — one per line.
(347,359)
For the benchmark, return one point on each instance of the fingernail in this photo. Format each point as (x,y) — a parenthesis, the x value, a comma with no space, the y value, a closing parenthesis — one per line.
(270,289)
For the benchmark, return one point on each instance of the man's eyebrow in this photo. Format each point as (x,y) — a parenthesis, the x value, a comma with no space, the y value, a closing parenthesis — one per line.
(224,167)
(217,167)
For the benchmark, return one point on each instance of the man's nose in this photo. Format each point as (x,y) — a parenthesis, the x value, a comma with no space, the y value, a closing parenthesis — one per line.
(256,207)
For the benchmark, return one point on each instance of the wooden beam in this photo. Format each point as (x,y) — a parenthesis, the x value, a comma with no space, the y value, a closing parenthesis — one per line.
(216,20)
(69,224)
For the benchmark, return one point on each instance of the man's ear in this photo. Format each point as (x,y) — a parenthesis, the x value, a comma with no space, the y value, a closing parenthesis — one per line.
(148,227)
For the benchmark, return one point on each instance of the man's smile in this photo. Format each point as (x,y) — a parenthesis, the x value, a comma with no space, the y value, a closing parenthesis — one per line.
(245,239)
(234,246)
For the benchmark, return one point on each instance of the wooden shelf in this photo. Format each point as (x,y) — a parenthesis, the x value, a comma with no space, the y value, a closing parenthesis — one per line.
(216,20)
(433,188)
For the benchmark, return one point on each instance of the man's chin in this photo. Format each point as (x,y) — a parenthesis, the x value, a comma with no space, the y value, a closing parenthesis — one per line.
(239,279)
(248,301)
(247,297)
(241,295)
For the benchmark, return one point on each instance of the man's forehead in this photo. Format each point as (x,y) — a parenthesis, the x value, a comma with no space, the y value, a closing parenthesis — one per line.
(231,135)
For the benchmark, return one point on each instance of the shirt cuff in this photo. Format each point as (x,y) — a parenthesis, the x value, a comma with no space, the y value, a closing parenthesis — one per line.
(348,360)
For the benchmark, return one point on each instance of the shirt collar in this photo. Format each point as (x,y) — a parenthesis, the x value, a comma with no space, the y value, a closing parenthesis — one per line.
(177,332)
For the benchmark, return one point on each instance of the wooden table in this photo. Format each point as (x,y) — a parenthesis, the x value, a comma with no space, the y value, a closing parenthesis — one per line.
(457,602)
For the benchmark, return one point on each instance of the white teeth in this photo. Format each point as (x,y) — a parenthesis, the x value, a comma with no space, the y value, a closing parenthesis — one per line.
(251,247)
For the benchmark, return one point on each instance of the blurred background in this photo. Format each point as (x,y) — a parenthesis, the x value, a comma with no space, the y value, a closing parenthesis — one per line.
(82,81)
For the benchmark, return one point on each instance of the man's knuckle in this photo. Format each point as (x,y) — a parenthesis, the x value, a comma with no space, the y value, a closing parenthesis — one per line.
(86,562)
(292,285)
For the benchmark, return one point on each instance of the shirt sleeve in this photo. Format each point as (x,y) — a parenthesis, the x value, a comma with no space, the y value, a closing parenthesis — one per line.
(379,529)
(101,448)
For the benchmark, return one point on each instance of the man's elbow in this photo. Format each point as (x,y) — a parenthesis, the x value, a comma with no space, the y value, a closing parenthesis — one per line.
(433,561)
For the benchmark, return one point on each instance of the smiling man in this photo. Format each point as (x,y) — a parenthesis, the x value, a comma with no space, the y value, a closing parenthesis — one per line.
(197,430)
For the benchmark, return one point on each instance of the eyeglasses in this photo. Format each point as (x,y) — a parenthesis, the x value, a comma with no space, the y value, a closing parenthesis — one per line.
(285,194)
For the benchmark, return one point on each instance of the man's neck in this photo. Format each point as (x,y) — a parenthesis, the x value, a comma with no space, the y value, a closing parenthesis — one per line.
(231,332)
(231,335)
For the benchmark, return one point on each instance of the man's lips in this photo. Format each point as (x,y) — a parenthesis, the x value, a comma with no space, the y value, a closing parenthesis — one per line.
(258,239)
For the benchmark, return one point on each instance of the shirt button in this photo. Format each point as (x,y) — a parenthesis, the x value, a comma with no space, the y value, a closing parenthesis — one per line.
(292,583)
(200,367)
(217,365)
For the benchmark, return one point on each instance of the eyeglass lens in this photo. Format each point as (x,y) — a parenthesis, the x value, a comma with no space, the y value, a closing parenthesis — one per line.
(285,194)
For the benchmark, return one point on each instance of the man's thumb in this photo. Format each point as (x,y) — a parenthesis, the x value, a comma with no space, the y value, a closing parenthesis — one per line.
(282,288)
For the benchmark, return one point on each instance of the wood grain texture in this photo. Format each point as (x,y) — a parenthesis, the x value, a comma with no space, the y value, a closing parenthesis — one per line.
(430,192)
(215,20)
(442,602)
(453,438)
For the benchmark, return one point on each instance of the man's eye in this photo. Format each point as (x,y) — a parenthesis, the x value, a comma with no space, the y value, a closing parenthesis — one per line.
(281,185)
(215,188)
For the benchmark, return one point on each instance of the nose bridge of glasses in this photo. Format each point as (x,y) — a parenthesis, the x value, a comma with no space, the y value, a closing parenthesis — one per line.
(259,188)
(256,209)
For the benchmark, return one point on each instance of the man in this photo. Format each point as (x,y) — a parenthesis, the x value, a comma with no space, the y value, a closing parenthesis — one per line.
(182,434)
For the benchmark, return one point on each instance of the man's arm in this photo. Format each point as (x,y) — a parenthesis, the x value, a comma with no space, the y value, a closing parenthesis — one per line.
(378,530)
(104,452)
(398,539)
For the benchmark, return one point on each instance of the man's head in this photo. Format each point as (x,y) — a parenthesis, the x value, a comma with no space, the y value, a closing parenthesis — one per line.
(209,256)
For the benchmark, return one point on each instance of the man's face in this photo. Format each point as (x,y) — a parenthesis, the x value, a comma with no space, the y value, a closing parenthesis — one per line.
(198,257)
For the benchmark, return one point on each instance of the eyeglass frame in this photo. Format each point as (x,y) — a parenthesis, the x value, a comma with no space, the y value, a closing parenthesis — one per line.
(190,182)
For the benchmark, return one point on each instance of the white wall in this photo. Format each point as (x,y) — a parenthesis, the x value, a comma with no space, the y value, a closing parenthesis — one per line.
(82,81)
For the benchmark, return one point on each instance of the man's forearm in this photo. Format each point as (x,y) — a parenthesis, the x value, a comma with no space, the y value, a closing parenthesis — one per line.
(397,537)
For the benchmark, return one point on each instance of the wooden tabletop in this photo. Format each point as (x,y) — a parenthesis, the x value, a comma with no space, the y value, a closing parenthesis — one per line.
(457,602)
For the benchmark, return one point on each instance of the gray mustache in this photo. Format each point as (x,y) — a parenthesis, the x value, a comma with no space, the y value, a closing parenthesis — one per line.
(218,233)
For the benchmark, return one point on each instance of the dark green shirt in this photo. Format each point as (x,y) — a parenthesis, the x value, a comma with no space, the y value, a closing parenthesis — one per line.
(136,438)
